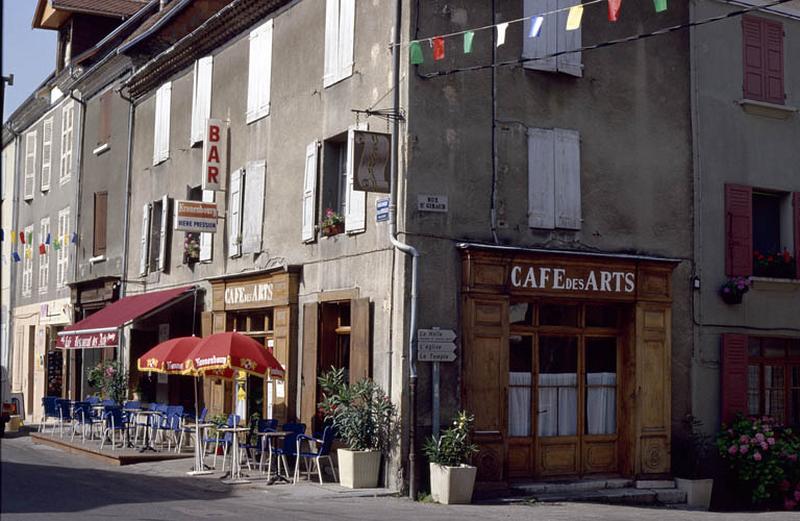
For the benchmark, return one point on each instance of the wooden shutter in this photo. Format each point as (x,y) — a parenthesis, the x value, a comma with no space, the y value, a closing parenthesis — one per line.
(163,251)
(568,41)
(30,165)
(567,179)
(331,42)
(347,28)
(266,70)
(773,62)
(734,376)
(738,230)
(253,207)
(207,239)
(796,205)
(162,120)
(360,345)
(547,41)
(235,214)
(144,253)
(100,218)
(259,72)
(310,193)
(201,97)
(541,178)
(356,201)
(47,153)
(104,118)
(753,58)
(308,386)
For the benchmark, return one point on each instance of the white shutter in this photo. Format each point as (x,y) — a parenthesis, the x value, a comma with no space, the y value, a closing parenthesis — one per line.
(207,239)
(144,253)
(235,214)
(356,201)
(547,41)
(568,179)
(163,242)
(67,142)
(30,165)
(541,179)
(157,128)
(162,120)
(310,193)
(259,72)
(266,69)
(567,41)
(347,28)
(201,99)
(331,42)
(253,207)
(47,152)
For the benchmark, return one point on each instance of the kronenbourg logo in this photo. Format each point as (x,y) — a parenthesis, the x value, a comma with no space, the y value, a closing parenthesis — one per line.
(211,360)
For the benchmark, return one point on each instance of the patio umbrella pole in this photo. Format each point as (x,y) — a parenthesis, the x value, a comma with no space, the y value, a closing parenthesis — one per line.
(199,466)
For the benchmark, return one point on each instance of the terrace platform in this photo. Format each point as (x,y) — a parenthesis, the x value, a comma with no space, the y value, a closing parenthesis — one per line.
(91,448)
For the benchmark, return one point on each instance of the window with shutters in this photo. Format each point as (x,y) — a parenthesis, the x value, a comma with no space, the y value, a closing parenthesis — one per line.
(67,141)
(30,165)
(235,193)
(27,264)
(201,98)
(47,152)
(554,179)
(337,192)
(762,60)
(259,72)
(309,232)
(155,241)
(192,240)
(100,223)
(104,118)
(44,259)
(161,123)
(340,16)
(253,185)
(552,38)
(62,256)
(773,378)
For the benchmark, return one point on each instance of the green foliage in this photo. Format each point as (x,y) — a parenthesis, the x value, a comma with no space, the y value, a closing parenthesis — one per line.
(696,450)
(764,455)
(111,378)
(362,414)
(452,447)
(219,420)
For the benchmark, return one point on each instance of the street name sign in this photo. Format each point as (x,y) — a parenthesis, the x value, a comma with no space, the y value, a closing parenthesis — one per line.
(436,347)
(432,203)
(382,209)
(436,335)
(436,357)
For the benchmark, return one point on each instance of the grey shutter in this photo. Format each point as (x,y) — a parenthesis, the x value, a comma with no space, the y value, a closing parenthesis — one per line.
(201,101)
(162,120)
(30,165)
(331,42)
(207,239)
(259,72)
(145,245)
(541,179)
(567,179)
(310,193)
(266,69)
(253,207)
(163,245)
(347,28)
(356,201)
(567,41)
(547,41)
(47,153)
(235,214)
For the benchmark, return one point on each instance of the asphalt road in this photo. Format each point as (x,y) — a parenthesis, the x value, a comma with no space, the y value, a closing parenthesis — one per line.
(45,483)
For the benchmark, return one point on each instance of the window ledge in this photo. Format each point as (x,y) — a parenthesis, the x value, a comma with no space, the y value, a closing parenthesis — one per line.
(95,260)
(100,149)
(773,283)
(769,110)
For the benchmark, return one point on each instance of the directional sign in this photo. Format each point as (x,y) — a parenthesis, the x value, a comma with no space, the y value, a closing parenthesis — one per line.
(436,335)
(436,357)
(436,347)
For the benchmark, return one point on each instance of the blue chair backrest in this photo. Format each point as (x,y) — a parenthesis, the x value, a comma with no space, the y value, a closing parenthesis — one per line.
(175,415)
(113,413)
(327,440)
(108,402)
(92,400)
(83,411)
(131,404)
(267,425)
(49,405)
(233,421)
(64,408)
(290,440)
(203,415)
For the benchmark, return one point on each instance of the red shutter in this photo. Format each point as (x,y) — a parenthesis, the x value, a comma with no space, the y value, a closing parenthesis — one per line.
(773,62)
(753,57)
(734,376)
(797,234)
(738,230)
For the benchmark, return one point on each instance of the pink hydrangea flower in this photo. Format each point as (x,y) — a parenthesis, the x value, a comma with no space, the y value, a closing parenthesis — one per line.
(757,456)
(744,438)
(743,449)
(771,441)
(760,437)
(764,445)
(792,457)
(733,449)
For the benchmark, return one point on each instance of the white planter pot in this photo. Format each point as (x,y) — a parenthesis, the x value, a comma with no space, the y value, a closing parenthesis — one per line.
(452,485)
(698,491)
(359,468)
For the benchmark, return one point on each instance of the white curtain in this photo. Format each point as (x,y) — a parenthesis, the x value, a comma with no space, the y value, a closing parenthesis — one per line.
(519,404)
(601,403)
(558,404)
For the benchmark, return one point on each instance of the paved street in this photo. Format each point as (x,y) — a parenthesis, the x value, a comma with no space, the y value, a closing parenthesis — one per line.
(45,483)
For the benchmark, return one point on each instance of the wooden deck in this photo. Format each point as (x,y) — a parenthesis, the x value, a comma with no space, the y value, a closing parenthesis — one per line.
(117,456)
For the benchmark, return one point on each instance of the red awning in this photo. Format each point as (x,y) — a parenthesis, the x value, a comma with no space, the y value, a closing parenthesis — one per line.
(102,328)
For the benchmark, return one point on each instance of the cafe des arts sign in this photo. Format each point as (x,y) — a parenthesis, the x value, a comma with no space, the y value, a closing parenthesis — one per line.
(573,279)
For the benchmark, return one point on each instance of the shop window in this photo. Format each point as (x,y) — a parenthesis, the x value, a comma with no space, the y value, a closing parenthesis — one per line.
(520,314)
(335,337)
(602,316)
(558,386)
(773,378)
(601,385)
(520,373)
(558,315)
(340,16)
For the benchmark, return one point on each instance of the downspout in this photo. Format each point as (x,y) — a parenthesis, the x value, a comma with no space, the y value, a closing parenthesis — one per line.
(493,211)
(12,294)
(408,250)
(79,169)
(126,222)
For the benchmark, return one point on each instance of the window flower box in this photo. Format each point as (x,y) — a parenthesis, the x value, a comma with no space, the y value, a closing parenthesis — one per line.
(734,289)
(778,265)
(332,224)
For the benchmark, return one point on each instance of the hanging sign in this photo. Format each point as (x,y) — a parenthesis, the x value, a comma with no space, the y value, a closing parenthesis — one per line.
(215,147)
(195,216)
(371,155)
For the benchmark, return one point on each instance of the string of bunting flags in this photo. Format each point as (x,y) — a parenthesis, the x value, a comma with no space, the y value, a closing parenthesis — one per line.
(19,238)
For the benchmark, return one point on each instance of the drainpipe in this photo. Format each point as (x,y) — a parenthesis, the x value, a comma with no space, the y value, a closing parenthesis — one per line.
(79,164)
(408,250)
(12,286)
(126,223)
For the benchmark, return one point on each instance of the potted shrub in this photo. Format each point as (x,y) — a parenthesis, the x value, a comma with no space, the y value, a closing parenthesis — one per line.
(734,289)
(111,379)
(364,419)
(452,479)
(331,224)
(693,468)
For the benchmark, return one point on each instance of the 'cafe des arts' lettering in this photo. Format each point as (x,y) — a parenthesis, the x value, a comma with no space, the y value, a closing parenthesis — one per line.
(569,279)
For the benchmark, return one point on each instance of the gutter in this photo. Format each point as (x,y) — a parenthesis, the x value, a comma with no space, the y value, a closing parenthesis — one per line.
(156,26)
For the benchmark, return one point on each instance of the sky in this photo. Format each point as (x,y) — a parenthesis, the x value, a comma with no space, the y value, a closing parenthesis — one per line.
(28,54)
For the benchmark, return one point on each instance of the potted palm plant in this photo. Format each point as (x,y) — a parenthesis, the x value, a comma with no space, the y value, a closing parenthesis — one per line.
(364,419)
(452,479)
(694,467)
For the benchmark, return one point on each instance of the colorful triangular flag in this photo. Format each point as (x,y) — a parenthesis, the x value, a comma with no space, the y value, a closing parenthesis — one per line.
(535,26)
(47,241)
(28,253)
(438,48)
(15,256)
(415,52)
(56,244)
(661,5)
(469,36)
(42,249)
(501,33)
(74,237)
(574,17)
(22,237)
(613,10)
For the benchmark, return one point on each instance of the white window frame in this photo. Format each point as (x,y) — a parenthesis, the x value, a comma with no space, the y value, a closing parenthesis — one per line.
(554,179)
(67,141)
(47,153)
(161,123)
(201,97)
(44,260)
(27,266)
(355,219)
(553,38)
(259,76)
(29,179)
(340,18)
(62,258)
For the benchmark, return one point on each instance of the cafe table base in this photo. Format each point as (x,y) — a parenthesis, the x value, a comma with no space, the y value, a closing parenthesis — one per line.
(200,468)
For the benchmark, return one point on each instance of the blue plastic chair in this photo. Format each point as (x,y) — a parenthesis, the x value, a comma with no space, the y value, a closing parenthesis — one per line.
(226,440)
(114,422)
(82,412)
(170,424)
(92,400)
(50,411)
(64,408)
(289,449)
(323,446)
(189,430)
